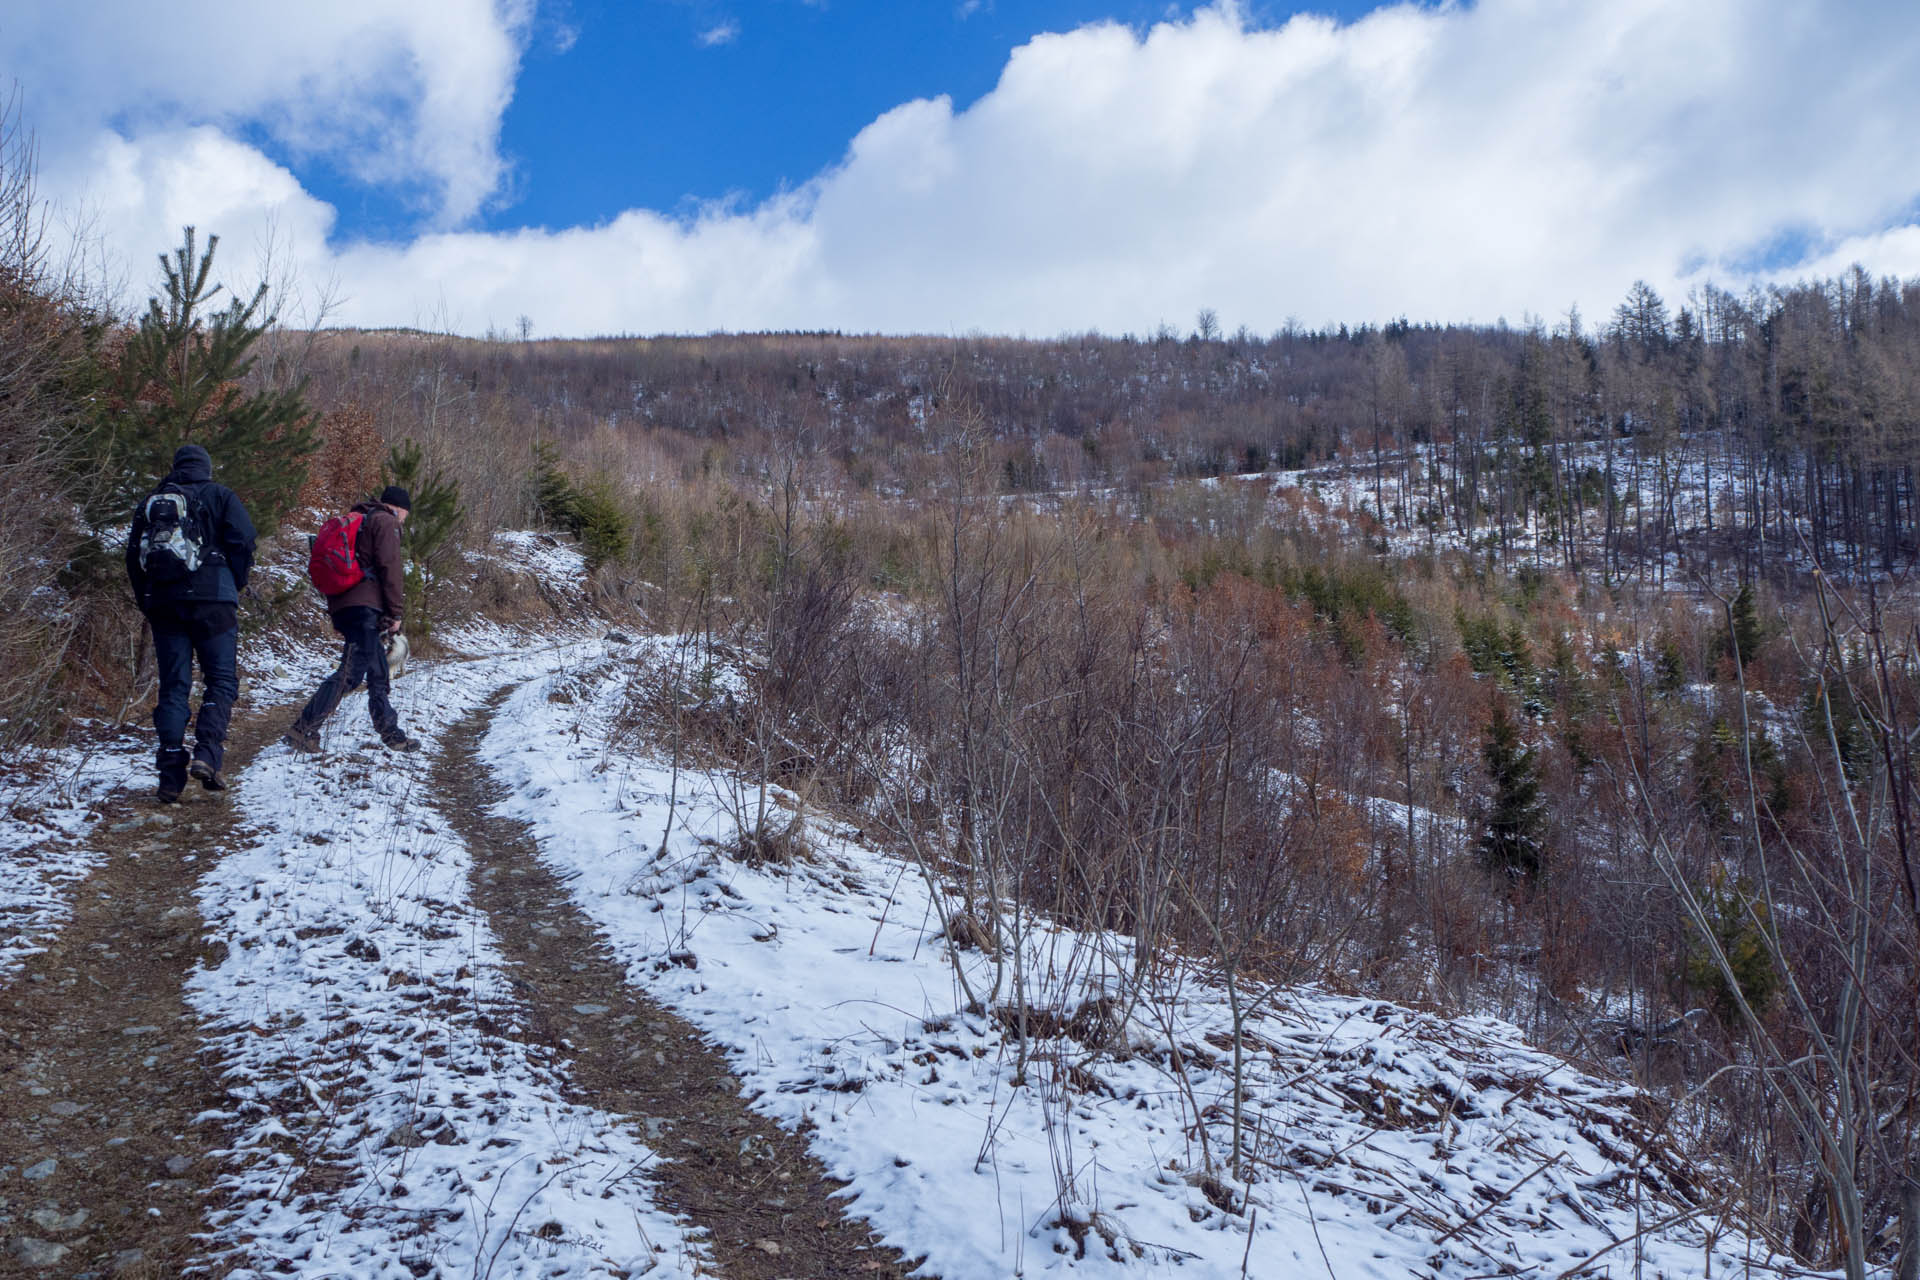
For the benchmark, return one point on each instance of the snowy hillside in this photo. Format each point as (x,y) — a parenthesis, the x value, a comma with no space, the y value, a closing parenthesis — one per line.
(403,1097)
(1379,1141)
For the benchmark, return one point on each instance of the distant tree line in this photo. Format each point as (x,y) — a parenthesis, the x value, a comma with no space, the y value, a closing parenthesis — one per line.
(1732,427)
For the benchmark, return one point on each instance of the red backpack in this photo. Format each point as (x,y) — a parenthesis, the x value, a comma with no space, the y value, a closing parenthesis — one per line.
(331,564)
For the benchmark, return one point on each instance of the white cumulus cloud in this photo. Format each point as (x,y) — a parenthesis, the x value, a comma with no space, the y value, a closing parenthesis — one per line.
(1459,162)
(408,96)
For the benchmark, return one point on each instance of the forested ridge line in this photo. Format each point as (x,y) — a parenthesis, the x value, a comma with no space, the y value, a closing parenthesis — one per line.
(1779,423)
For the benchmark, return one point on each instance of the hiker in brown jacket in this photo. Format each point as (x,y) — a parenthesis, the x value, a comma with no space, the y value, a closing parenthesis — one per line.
(365,614)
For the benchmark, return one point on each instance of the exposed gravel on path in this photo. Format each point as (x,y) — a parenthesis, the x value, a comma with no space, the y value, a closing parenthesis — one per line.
(102,1169)
(768,1204)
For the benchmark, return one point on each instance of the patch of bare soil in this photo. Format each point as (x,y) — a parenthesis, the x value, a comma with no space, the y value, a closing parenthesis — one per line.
(768,1204)
(102,1170)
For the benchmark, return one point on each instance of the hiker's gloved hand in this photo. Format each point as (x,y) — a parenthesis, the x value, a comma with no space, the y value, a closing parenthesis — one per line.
(390,627)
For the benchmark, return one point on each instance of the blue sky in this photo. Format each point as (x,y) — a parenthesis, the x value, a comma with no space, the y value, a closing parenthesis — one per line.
(642,166)
(773,103)
(658,103)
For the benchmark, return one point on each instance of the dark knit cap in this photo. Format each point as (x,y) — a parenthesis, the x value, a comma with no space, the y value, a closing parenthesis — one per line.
(394,496)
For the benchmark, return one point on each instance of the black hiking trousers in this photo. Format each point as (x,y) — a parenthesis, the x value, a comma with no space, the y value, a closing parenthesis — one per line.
(185,631)
(365,659)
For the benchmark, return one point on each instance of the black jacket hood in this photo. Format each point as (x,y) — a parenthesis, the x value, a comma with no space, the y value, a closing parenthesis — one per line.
(191,465)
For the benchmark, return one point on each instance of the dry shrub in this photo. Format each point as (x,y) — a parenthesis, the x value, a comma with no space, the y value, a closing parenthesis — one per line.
(61,595)
(772,843)
(1334,841)
(346,469)
(965,931)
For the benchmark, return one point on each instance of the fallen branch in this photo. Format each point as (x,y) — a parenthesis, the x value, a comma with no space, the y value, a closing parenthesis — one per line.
(1500,1199)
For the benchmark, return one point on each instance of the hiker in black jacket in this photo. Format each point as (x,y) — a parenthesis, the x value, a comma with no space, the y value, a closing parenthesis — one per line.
(188,556)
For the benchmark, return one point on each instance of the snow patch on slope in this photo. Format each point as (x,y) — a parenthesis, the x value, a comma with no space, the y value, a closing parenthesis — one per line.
(1377,1141)
(49,810)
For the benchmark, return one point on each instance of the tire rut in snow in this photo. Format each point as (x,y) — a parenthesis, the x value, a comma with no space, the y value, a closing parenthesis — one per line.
(102,1169)
(768,1205)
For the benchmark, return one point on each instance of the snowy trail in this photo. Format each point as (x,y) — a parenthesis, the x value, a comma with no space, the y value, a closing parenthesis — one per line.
(102,1164)
(390,1115)
(52,836)
(765,1206)
(64,811)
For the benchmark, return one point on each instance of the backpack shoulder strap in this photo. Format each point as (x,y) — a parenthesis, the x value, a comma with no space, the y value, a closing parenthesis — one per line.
(201,512)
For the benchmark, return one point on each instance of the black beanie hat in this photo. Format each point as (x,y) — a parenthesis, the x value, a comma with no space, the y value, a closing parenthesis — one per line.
(394,496)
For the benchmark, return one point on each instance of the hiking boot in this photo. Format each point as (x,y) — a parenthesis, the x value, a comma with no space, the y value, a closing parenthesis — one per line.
(302,740)
(399,741)
(172,763)
(208,775)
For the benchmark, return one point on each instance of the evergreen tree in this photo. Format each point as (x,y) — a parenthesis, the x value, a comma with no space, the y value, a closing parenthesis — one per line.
(427,536)
(554,496)
(180,379)
(1669,664)
(1511,843)
(1740,925)
(605,529)
(1829,704)
(1744,632)
(1566,682)
(592,512)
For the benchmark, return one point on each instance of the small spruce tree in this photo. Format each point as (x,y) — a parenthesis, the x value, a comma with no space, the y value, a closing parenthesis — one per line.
(181,379)
(1741,931)
(592,513)
(1511,843)
(554,496)
(1744,633)
(1669,664)
(432,522)
(605,529)
(1828,705)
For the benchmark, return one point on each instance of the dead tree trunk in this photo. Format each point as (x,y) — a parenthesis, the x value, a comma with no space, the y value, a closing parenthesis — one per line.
(1908,1267)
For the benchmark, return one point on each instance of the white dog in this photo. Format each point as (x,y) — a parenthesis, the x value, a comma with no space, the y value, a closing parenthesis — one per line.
(396,654)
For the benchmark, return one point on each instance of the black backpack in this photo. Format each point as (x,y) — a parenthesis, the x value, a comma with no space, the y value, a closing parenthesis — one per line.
(174,545)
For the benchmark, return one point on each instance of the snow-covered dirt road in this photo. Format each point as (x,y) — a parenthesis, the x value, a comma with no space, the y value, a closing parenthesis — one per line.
(281,1034)
(390,1113)
(103,1165)
(761,1200)
(467,1014)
